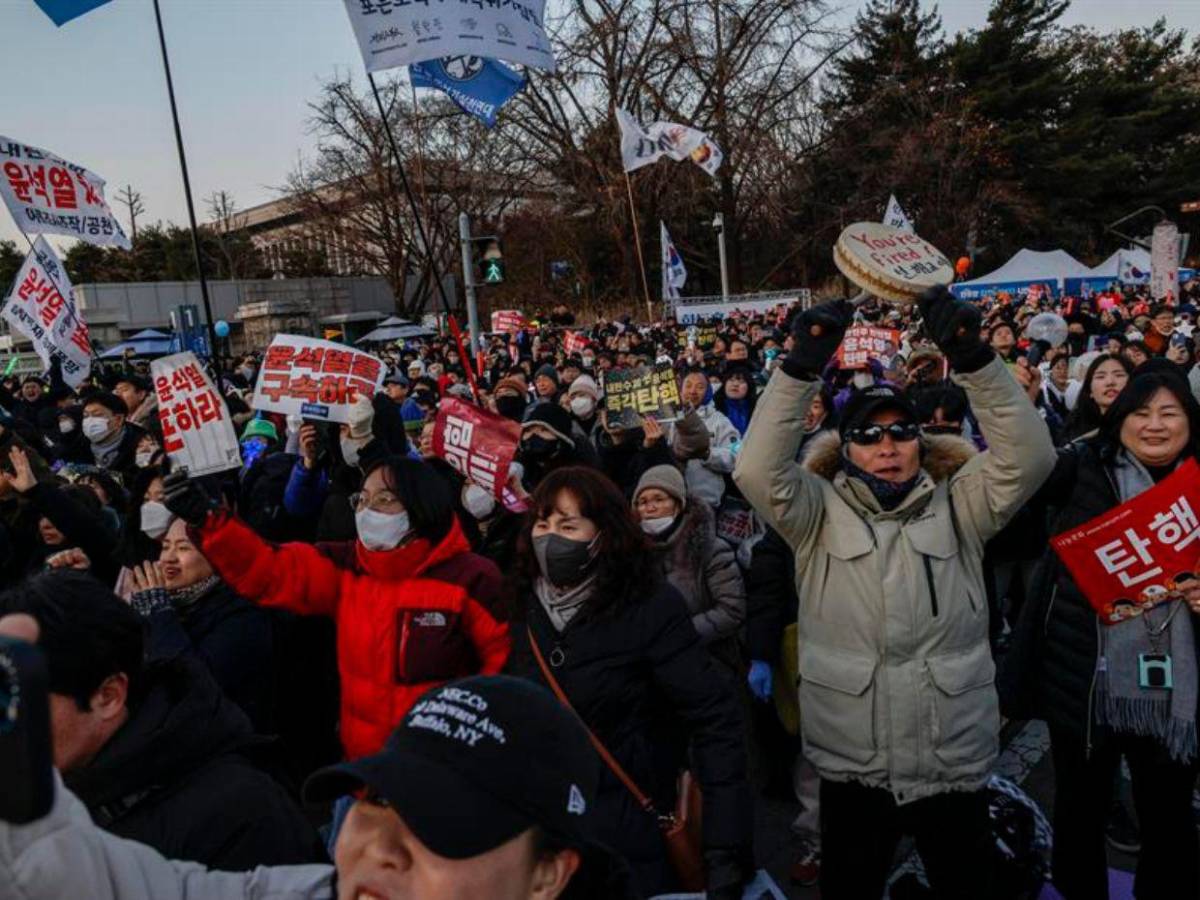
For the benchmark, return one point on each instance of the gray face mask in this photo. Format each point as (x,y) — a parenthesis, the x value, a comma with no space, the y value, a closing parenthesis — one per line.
(564,562)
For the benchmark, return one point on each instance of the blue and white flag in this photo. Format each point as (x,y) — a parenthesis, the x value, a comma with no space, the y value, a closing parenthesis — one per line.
(479,86)
(674,273)
(63,11)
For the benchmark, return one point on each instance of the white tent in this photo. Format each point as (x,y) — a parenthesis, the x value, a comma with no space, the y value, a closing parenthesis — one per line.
(1025,269)
(1134,259)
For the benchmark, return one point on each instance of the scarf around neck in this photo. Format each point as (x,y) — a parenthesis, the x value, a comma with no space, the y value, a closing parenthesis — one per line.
(185,597)
(890,494)
(563,604)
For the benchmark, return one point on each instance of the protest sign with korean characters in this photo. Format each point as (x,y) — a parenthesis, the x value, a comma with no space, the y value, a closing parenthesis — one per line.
(630,394)
(864,342)
(1138,554)
(197,429)
(508,320)
(478,443)
(42,307)
(315,379)
(48,195)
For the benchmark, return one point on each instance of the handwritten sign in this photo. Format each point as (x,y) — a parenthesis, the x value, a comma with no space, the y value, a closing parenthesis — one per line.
(478,443)
(315,379)
(1139,554)
(631,394)
(890,262)
(197,430)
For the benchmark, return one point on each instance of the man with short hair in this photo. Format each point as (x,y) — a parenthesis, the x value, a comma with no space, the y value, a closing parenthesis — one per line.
(138,394)
(113,438)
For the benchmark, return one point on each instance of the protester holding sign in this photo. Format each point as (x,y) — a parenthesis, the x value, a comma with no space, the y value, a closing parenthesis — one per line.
(893,639)
(1102,687)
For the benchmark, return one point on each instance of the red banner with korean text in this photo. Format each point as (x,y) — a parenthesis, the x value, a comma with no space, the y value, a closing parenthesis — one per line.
(478,443)
(508,320)
(1138,554)
(863,342)
(315,379)
(197,429)
(574,342)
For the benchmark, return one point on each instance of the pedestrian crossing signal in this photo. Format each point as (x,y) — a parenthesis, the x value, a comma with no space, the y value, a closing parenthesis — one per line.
(493,271)
(489,260)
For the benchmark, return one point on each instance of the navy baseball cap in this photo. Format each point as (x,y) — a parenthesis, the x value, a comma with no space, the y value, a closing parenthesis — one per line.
(866,402)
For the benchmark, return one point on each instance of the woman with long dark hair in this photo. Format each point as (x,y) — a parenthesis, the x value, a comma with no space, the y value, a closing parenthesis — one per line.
(620,644)
(1104,380)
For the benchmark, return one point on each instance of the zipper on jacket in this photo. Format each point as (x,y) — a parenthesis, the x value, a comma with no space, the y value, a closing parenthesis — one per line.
(402,652)
(932,590)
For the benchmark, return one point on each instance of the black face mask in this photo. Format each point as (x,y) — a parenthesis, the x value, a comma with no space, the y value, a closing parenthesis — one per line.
(942,429)
(539,448)
(511,407)
(563,562)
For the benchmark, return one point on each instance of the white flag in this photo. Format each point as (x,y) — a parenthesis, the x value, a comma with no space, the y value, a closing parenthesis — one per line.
(402,32)
(674,274)
(643,146)
(48,195)
(895,216)
(42,307)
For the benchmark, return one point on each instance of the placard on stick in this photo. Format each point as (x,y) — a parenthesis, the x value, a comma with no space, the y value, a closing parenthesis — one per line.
(631,394)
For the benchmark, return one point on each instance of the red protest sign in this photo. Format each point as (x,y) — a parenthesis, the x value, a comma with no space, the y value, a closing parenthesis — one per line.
(1136,555)
(574,342)
(863,342)
(478,443)
(508,320)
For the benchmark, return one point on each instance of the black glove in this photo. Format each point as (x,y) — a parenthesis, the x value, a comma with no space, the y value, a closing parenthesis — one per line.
(186,499)
(816,334)
(727,871)
(954,326)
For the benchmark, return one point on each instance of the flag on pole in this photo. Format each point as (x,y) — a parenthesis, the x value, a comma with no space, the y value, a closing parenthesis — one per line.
(896,216)
(674,274)
(643,146)
(479,86)
(399,32)
(63,11)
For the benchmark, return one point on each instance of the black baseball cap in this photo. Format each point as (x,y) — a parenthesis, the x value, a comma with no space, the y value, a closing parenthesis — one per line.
(475,763)
(866,402)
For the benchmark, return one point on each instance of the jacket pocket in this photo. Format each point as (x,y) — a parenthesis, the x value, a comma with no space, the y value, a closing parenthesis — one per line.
(966,709)
(837,704)
(430,646)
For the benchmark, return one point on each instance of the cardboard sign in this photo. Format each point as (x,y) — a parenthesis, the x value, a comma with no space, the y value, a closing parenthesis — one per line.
(631,394)
(42,307)
(315,379)
(48,195)
(197,429)
(478,443)
(890,262)
(1138,554)
(508,320)
(864,342)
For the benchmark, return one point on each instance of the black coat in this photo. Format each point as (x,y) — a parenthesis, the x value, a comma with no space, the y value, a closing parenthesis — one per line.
(82,528)
(771,602)
(642,681)
(176,777)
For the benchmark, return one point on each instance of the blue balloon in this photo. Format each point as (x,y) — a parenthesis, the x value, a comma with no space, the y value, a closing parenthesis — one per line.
(221,328)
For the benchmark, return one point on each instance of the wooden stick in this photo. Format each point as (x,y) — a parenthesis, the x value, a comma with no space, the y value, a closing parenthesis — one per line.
(637,244)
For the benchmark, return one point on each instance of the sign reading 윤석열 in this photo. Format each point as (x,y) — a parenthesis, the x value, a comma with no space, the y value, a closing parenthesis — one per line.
(197,430)
(316,379)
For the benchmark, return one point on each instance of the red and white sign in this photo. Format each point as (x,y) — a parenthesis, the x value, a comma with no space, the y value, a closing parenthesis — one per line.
(1136,555)
(573,342)
(197,430)
(478,443)
(508,320)
(315,379)
(42,307)
(864,342)
(48,195)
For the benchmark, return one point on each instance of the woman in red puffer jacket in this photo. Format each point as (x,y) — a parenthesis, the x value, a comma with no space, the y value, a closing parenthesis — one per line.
(411,602)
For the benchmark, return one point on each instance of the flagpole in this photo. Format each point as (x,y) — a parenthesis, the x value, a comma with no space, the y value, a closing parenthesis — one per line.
(213,356)
(637,243)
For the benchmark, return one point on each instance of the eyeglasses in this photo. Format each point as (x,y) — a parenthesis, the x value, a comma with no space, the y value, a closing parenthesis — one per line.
(383,502)
(901,432)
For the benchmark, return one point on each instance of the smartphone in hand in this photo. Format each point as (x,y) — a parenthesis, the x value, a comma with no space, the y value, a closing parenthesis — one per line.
(26,777)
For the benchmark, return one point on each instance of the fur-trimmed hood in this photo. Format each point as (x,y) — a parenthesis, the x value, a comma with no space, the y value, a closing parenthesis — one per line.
(944,454)
(695,533)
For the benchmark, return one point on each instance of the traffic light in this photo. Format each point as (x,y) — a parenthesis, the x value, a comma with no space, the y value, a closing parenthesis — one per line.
(489,260)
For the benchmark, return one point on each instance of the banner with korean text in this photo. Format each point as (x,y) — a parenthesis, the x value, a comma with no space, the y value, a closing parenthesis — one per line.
(197,429)
(315,379)
(479,444)
(42,307)
(864,342)
(48,195)
(508,320)
(1138,554)
(631,394)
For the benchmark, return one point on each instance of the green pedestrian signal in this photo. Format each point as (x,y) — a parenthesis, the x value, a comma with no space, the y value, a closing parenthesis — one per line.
(488,260)
(493,271)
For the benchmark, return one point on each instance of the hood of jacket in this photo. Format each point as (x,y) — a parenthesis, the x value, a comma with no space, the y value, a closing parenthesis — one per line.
(692,537)
(182,722)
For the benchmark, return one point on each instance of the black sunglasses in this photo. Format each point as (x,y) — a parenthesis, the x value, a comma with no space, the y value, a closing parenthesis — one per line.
(873,434)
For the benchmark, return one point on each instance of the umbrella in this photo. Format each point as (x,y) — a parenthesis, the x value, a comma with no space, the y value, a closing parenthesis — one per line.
(149,342)
(395,329)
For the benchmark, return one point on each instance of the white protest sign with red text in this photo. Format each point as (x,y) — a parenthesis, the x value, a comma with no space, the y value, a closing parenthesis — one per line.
(1136,555)
(478,443)
(508,320)
(864,342)
(197,429)
(48,195)
(42,307)
(315,379)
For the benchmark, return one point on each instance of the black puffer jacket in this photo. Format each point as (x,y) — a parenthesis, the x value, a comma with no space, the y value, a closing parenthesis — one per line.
(641,680)
(176,777)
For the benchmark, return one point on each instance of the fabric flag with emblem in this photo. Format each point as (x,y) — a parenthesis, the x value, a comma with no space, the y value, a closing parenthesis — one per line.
(479,86)
(643,146)
(674,273)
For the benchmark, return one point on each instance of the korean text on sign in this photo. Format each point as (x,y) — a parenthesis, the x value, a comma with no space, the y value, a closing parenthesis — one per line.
(479,444)
(1140,553)
(630,394)
(315,379)
(197,430)
(862,343)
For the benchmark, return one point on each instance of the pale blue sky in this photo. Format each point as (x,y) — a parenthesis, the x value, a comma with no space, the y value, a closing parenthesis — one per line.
(93,90)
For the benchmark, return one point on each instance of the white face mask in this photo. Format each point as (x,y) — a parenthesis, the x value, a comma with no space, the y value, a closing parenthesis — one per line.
(862,380)
(156,519)
(95,428)
(478,502)
(657,526)
(381,531)
(142,458)
(582,406)
(66,426)
(349,451)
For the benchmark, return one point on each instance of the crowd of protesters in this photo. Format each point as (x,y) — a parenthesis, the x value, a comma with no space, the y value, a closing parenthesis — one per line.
(333,670)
